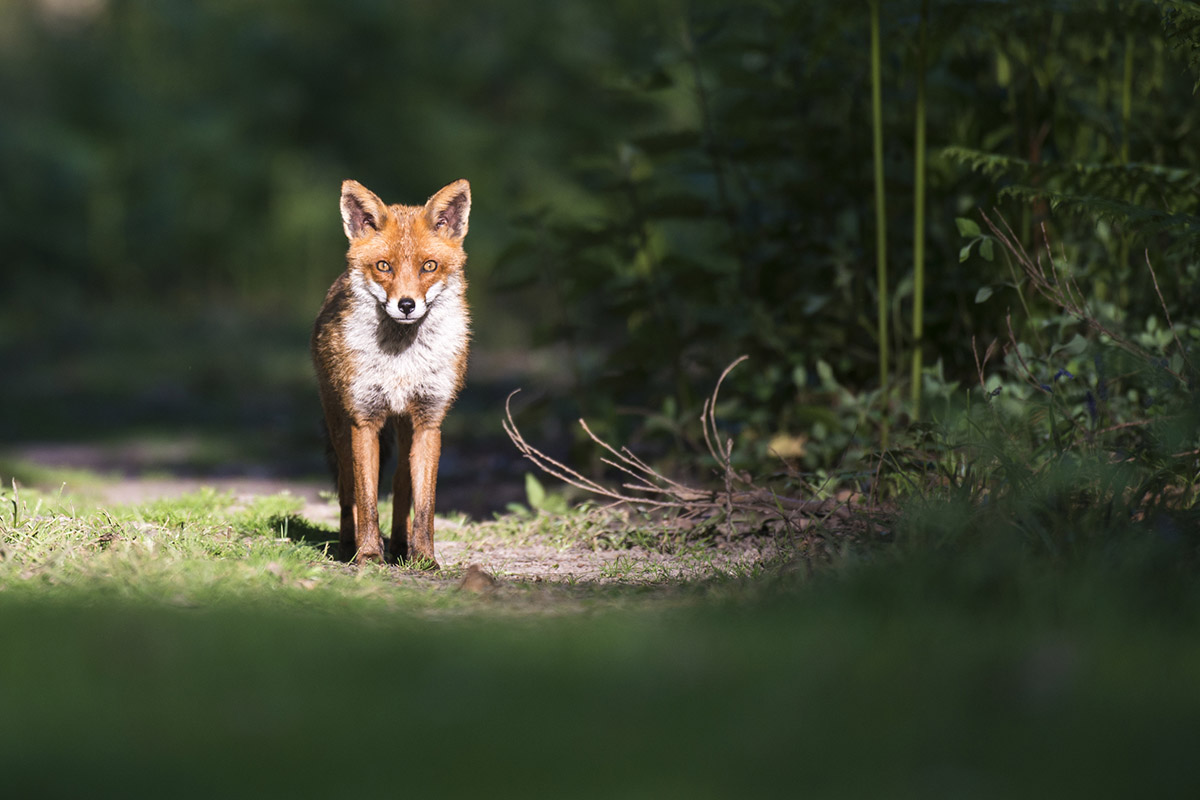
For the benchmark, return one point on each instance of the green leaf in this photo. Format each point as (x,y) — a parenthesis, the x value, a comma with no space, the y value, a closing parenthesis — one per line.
(814,303)
(825,373)
(1003,69)
(535,493)
(967,227)
(986,248)
(965,252)
(1074,347)
(983,294)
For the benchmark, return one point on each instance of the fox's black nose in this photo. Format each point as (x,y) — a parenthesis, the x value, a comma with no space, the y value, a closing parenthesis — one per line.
(407,304)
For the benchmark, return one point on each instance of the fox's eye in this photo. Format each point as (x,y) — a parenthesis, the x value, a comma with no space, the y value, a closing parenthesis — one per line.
(383,266)
(429,266)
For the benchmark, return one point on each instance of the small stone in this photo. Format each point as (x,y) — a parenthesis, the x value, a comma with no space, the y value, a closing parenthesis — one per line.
(477,580)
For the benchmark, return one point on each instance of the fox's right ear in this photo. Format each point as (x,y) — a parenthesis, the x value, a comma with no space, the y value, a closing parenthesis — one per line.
(362,210)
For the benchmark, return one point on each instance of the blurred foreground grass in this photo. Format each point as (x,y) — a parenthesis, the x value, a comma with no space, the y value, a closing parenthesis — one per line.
(186,648)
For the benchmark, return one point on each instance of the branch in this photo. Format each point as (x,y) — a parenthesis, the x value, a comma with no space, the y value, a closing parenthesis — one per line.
(1064,292)
(668,494)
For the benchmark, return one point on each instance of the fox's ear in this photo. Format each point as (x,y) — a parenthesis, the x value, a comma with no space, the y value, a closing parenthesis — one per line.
(448,210)
(362,210)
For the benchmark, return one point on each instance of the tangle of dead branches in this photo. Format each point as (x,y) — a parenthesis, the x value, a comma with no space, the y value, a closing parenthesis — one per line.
(646,487)
(1063,290)
(1060,288)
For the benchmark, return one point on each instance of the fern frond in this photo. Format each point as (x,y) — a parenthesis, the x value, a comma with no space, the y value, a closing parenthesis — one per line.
(1174,189)
(1137,219)
(993,165)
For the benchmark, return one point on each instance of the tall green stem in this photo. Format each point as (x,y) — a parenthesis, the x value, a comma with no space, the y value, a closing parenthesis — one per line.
(1126,98)
(880,216)
(919,216)
(1126,114)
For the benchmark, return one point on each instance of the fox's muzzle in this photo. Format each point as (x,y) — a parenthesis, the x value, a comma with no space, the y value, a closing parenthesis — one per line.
(406,310)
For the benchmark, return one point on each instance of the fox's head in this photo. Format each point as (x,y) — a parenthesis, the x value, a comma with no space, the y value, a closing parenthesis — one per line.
(405,257)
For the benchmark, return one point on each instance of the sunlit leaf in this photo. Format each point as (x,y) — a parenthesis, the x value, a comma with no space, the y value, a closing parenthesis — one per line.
(967,227)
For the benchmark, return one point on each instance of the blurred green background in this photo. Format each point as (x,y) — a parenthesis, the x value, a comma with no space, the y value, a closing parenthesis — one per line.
(658,188)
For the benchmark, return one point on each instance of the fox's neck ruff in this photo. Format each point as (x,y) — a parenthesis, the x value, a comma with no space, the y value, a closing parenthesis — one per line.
(401,364)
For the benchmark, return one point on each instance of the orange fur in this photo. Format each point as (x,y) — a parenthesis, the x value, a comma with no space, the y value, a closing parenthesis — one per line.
(390,346)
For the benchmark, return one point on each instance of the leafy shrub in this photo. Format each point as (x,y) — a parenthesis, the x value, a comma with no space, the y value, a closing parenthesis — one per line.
(739,222)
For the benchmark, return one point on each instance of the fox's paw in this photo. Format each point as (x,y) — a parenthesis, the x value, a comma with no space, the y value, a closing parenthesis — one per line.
(373,556)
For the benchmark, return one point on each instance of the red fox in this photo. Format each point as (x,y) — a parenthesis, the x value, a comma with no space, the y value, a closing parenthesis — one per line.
(390,346)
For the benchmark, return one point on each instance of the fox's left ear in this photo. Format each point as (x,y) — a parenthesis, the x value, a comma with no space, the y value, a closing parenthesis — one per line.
(362,210)
(448,210)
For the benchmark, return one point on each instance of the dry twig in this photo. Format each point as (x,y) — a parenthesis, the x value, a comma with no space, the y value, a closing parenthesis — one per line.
(648,487)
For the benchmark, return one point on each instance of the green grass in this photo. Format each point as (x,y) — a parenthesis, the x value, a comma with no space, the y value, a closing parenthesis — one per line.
(200,648)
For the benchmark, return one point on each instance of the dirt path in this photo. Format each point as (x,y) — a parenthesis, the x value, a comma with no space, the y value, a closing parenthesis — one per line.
(495,548)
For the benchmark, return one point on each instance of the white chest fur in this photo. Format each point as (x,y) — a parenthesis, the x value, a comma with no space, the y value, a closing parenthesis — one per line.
(397,365)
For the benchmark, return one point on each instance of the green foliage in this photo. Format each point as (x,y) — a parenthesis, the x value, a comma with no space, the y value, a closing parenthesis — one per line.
(1083,453)
(709,239)
(712,198)
(1181,24)
(538,499)
(969,230)
(1147,200)
(175,150)
(737,220)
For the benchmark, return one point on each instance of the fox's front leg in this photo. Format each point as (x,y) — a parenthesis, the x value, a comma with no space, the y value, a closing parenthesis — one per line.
(339,441)
(402,491)
(426,451)
(348,513)
(364,449)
